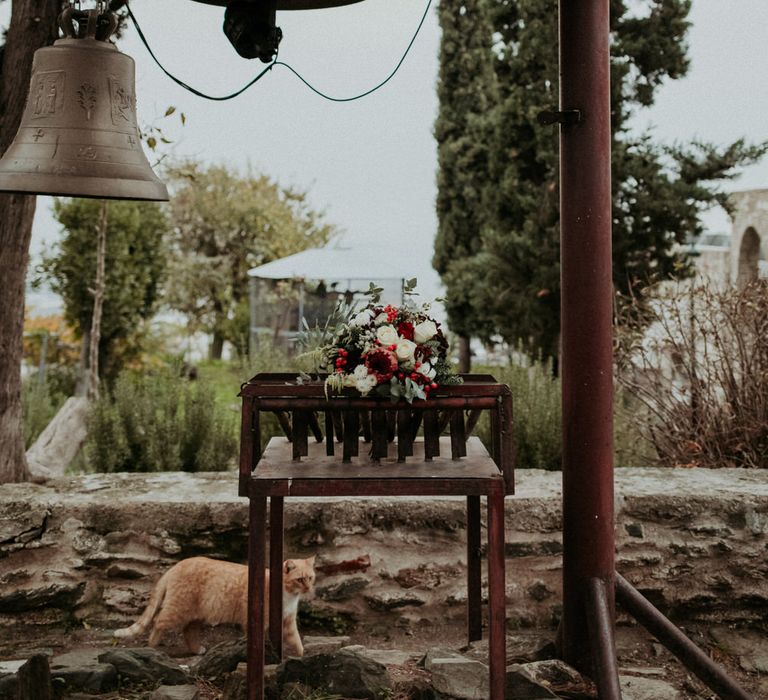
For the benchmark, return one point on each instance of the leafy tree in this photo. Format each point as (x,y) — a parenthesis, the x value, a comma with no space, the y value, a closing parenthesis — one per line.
(135,264)
(224,224)
(466,88)
(659,192)
(32,25)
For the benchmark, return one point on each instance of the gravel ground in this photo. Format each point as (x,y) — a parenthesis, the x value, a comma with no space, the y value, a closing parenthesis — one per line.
(639,654)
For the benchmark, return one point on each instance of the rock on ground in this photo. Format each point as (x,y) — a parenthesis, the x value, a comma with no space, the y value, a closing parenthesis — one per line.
(521,685)
(221,658)
(750,647)
(637,688)
(145,665)
(456,675)
(346,673)
(324,645)
(176,692)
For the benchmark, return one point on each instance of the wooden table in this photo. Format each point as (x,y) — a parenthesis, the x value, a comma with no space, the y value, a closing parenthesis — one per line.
(369,446)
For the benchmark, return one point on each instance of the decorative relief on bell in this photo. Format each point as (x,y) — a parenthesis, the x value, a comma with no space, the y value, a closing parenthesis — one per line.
(123,102)
(64,170)
(87,153)
(47,93)
(86,97)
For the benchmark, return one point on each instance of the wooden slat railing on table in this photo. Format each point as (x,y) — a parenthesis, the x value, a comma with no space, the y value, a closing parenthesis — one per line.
(348,417)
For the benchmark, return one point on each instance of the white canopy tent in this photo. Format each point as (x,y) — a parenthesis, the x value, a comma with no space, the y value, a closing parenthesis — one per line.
(341,271)
(334,265)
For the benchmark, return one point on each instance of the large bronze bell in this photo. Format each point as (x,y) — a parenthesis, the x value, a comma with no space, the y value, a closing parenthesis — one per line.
(78,136)
(294,4)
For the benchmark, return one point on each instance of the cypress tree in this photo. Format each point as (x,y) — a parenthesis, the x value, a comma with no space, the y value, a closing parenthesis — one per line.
(467,91)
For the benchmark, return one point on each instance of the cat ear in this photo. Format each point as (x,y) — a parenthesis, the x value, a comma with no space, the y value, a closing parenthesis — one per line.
(289,566)
(311,560)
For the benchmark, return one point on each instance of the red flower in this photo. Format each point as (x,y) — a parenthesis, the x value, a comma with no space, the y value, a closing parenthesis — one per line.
(422,352)
(381,363)
(405,330)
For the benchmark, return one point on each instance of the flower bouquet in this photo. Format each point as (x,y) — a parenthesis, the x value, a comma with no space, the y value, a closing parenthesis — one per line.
(396,351)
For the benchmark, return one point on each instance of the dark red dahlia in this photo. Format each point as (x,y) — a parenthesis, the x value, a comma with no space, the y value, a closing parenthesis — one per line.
(382,363)
(422,352)
(405,330)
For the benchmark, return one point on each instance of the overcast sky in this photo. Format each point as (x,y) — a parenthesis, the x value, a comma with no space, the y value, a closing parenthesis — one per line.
(371,164)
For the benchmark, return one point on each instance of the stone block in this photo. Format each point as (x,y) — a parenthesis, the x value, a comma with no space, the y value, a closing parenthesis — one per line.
(176,692)
(553,672)
(47,595)
(221,658)
(388,600)
(90,677)
(144,665)
(521,685)
(343,590)
(346,673)
(323,645)
(637,688)
(460,678)
(748,646)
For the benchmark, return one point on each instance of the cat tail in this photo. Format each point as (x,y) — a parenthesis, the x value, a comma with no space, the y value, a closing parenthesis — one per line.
(155,601)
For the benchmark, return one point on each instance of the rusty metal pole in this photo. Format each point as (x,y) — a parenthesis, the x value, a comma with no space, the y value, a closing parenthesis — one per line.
(586,312)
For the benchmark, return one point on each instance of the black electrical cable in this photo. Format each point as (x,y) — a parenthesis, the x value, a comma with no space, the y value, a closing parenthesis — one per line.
(278,63)
(373,89)
(181,82)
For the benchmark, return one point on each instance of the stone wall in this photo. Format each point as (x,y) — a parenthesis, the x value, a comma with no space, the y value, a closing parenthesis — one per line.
(89,548)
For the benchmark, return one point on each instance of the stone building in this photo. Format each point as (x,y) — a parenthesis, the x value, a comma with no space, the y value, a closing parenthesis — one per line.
(748,236)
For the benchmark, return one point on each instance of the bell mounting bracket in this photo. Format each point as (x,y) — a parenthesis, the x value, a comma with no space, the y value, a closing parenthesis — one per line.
(565,117)
(99,23)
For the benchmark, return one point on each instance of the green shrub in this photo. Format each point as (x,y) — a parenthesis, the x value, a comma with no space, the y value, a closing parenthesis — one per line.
(536,410)
(160,422)
(536,398)
(630,420)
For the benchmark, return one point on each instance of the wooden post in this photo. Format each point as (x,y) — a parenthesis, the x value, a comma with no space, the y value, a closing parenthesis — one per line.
(99,286)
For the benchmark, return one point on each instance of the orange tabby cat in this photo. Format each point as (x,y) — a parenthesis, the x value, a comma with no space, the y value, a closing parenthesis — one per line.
(201,590)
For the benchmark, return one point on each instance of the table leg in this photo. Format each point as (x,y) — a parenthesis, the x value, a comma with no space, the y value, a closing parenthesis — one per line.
(256,591)
(276,574)
(474,574)
(496,593)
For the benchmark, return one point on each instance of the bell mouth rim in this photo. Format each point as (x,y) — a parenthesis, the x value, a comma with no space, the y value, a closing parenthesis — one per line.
(87,187)
(293,5)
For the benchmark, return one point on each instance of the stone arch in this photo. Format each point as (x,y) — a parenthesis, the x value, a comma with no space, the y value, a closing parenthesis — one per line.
(749,257)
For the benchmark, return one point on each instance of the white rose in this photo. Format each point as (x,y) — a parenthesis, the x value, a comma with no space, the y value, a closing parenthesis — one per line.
(362,319)
(387,335)
(427,370)
(404,350)
(381,318)
(350,380)
(424,331)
